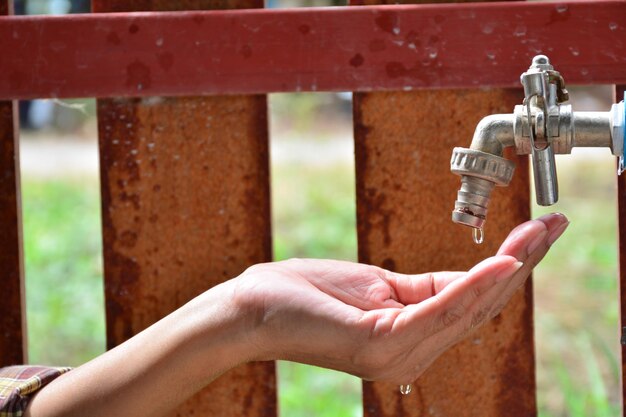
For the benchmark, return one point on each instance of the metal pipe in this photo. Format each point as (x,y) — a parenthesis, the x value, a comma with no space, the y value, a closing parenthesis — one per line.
(493,133)
(592,129)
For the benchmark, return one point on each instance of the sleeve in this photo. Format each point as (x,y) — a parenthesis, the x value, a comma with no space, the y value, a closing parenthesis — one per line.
(19,383)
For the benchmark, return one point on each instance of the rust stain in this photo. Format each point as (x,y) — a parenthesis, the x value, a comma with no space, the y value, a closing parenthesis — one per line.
(185,194)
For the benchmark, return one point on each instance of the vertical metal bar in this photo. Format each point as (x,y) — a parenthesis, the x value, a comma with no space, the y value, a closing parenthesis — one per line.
(405,194)
(12,307)
(185,206)
(621,210)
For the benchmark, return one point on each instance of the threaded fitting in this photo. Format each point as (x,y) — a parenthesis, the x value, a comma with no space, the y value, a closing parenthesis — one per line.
(482,165)
(480,172)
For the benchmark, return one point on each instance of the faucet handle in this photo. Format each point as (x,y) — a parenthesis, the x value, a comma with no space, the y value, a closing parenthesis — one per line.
(544,169)
(562,95)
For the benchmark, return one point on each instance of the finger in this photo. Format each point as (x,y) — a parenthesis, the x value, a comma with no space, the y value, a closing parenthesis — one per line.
(537,245)
(413,289)
(452,304)
(529,241)
(525,238)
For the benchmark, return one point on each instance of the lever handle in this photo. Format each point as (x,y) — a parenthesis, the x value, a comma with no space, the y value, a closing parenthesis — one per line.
(544,169)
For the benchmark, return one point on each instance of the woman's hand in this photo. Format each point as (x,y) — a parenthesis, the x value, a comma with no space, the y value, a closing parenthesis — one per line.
(377,324)
(360,319)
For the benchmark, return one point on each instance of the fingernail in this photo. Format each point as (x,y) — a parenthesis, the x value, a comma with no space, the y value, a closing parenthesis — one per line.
(547,216)
(508,271)
(556,233)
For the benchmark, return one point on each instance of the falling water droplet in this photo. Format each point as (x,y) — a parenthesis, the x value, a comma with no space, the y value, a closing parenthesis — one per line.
(405,389)
(479,236)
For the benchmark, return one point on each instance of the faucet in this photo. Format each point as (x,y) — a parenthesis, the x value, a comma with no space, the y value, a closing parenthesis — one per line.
(541,126)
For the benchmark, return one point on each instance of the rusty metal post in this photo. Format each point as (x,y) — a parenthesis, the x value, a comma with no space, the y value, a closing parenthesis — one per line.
(621,211)
(403,142)
(185,206)
(12,307)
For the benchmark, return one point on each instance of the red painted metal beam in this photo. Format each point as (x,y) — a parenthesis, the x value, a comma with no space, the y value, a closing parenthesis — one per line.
(330,49)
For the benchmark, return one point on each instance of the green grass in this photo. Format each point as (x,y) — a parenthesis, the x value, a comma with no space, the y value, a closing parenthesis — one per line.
(314,210)
(64,290)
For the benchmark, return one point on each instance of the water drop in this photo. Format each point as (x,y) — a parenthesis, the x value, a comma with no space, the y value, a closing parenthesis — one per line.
(519,31)
(396,30)
(159,42)
(613,26)
(488,28)
(561,8)
(405,389)
(491,56)
(478,235)
(432,54)
(574,50)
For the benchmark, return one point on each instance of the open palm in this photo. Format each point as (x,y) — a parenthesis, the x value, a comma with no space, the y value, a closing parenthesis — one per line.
(378,324)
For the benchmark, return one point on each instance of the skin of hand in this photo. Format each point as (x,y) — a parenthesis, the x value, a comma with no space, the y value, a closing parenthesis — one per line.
(377,324)
(361,319)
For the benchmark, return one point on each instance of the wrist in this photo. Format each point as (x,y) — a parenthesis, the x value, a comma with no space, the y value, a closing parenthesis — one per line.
(216,332)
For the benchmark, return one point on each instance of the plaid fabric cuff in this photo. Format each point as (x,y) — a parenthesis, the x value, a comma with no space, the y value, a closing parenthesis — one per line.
(18,383)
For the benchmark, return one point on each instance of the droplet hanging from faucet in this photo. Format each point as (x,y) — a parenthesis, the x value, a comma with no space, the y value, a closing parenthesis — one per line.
(479,235)
(405,389)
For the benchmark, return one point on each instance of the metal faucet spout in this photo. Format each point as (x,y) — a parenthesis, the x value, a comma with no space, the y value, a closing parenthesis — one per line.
(494,133)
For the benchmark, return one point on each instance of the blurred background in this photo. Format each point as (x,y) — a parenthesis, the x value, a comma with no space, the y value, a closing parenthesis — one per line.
(576,287)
